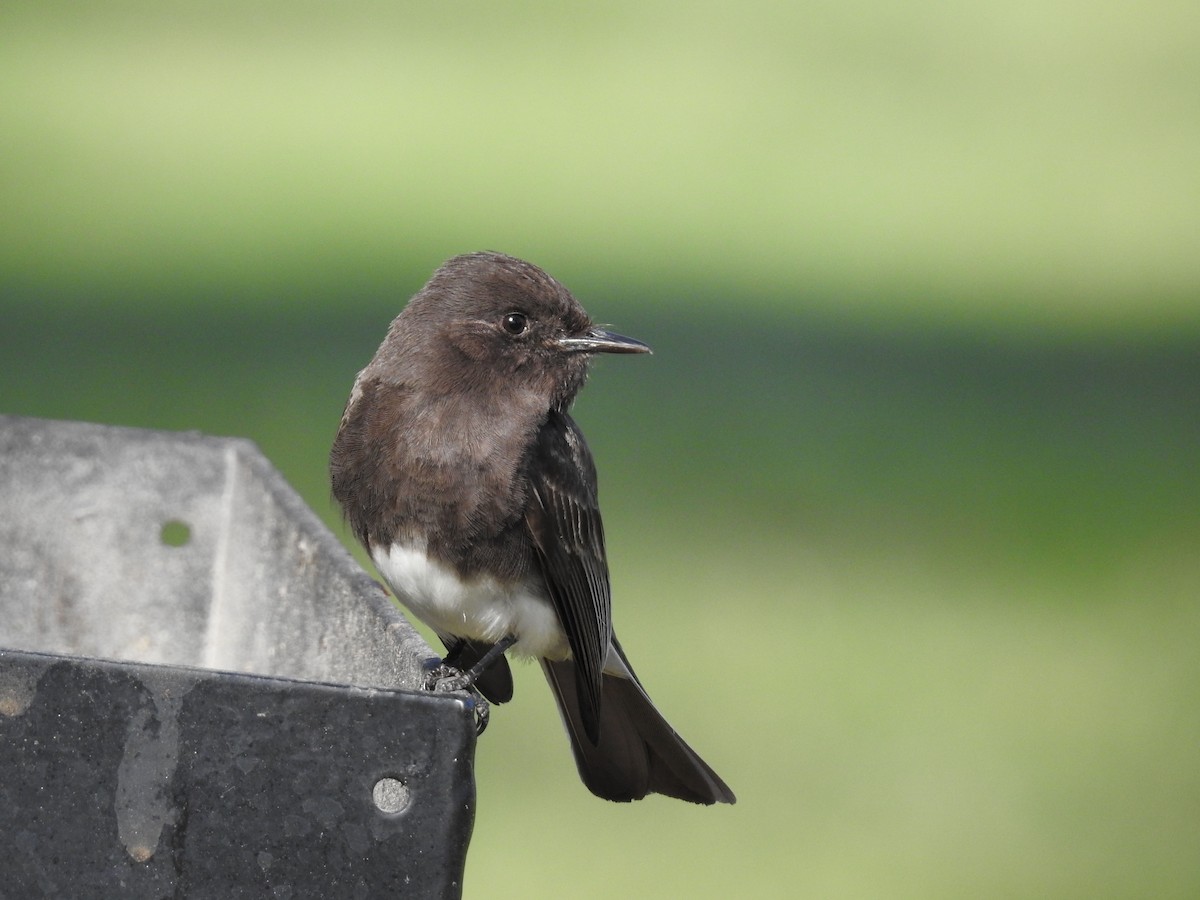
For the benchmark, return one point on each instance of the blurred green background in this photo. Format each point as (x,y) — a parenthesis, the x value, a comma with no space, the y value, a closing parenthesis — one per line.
(902,513)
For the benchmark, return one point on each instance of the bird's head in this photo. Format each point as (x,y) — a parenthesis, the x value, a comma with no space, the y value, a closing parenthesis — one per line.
(490,320)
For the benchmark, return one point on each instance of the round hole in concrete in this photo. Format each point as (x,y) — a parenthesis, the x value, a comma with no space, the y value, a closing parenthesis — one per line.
(391,795)
(175,533)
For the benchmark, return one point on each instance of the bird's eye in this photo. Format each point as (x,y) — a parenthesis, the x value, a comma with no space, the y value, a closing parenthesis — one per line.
(515,323)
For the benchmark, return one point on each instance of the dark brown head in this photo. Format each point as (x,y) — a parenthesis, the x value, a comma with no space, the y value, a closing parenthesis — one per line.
(487,316)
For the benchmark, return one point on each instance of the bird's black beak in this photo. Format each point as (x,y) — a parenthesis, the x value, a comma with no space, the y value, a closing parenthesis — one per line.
(597,340)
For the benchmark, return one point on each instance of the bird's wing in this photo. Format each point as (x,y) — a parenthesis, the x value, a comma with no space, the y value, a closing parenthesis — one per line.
(563,519)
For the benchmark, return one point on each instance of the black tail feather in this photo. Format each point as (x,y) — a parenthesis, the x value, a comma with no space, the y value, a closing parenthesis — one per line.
(639,753)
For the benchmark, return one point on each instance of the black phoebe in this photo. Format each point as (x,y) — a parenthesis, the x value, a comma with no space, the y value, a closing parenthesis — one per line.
(474,492)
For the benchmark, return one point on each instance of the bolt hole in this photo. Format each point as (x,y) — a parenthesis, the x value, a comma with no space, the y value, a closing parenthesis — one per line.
(391,795)
(175,533)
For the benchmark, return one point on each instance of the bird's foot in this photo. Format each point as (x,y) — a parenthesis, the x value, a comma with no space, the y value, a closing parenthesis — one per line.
(444,678)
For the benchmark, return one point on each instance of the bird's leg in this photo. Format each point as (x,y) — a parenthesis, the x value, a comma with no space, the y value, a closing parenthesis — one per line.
(447,677)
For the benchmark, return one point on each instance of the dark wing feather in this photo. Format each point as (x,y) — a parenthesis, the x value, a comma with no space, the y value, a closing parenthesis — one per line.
(563,518)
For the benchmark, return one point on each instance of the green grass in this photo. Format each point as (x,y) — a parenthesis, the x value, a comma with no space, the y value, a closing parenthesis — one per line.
(902,511)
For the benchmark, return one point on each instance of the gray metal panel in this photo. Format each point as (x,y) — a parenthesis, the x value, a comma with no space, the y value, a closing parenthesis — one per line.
(150,741)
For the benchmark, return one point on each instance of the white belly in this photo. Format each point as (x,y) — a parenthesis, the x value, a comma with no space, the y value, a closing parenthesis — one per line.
(481,608)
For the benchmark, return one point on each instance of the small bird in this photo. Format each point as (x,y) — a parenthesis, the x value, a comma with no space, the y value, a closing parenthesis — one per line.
(459,469)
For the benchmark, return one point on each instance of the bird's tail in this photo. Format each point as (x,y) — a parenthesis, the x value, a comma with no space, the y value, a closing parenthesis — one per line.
(639,753)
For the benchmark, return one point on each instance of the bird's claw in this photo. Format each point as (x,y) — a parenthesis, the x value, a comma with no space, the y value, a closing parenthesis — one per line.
(444,678)
(483,711)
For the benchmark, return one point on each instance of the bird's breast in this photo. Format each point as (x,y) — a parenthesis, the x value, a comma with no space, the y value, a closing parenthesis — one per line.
(480,607)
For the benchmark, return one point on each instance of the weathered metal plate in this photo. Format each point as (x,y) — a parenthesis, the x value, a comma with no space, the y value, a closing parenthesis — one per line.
(201,693)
